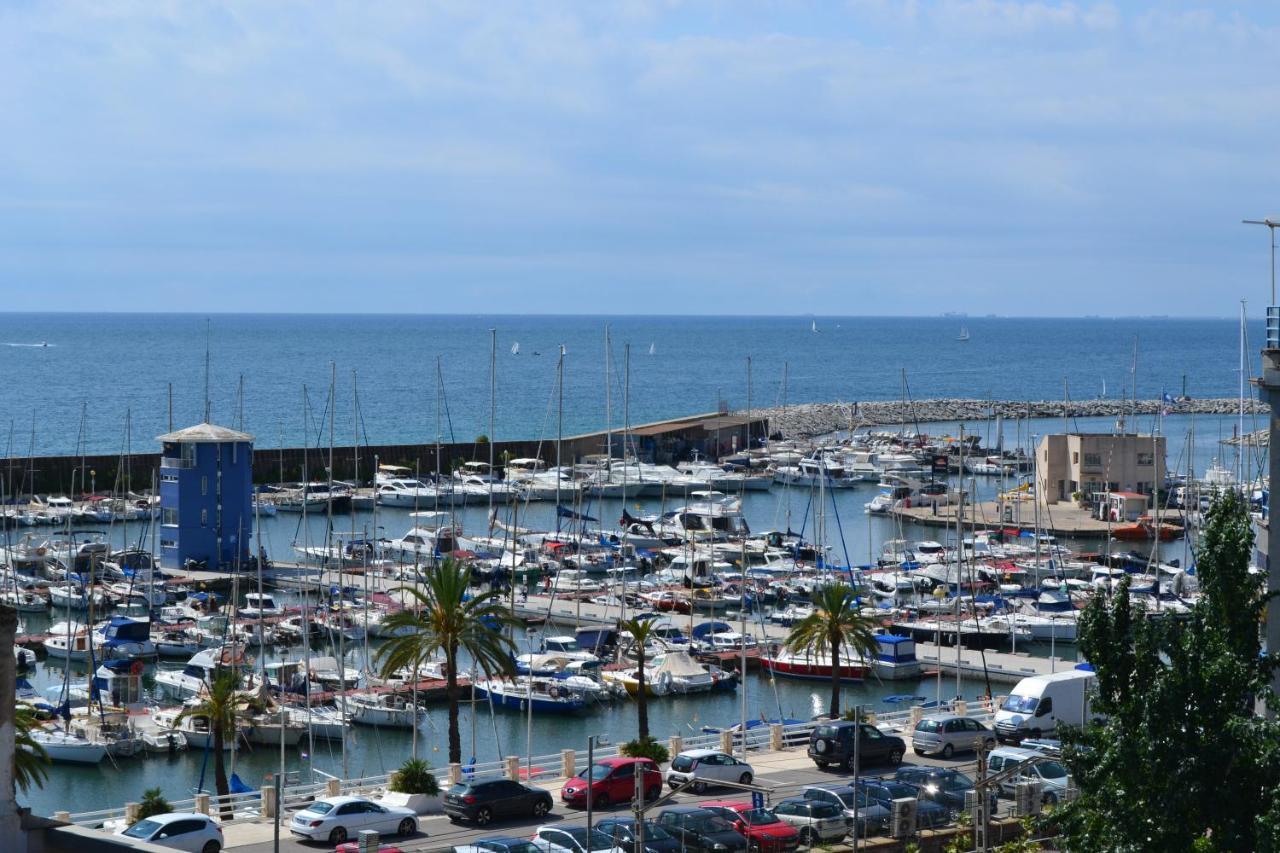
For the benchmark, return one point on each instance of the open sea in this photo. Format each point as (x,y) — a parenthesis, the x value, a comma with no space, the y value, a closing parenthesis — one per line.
(108,365)
(55,365)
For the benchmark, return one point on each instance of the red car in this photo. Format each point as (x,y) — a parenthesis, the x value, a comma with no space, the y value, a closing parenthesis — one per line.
(613,780)
(764,831)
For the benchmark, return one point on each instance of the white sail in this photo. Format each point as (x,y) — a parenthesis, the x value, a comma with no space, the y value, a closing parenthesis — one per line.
(515,348)
(652,349)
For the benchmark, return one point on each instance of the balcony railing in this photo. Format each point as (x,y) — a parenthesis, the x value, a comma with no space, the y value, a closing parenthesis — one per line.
(176,462)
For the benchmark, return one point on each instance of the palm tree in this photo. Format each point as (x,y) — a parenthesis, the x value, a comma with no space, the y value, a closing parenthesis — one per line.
(29,757)
(444,619)
(220,707)
(640,630)
(836,622)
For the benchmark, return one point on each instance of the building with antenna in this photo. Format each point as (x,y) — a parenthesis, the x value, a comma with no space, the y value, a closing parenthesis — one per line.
(206,498)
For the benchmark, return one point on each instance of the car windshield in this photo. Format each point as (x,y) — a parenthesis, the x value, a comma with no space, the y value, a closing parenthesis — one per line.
(1052,770)
(1020,704)
(599,841)
(654,832)
(826,731)
(143,829)
(928,726)
(600,771)
(682,763)
(708,823)
(955,782)
(509,846)
(898,790)
(319,807)
(759,817)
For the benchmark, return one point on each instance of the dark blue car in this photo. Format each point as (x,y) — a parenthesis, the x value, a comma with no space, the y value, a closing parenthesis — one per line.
(498,844)
(929,815)
(623,832)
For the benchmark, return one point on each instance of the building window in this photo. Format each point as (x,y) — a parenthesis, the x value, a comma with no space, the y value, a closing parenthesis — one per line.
(1093,460)
(233,453)
(188,455)
(168,543)
(168,478)
(204,518)
(1075,457)
(169,516)
(204,485)
(1145,458)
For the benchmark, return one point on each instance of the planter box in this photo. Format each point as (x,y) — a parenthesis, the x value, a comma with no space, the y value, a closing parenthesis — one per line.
(420,803)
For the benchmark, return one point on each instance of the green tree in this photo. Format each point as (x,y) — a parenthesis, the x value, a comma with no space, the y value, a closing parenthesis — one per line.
(220,705)
(445,619)
(836,623)
(152,803)
(30,761)
(1182,760)
(640,630)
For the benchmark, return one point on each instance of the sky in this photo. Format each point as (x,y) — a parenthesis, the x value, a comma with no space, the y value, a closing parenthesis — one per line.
(739,157)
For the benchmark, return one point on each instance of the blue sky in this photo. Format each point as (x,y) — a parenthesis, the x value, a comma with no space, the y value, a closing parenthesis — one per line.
(864,157)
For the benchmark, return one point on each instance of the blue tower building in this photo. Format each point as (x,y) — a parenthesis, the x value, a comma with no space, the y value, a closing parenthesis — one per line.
(206,498)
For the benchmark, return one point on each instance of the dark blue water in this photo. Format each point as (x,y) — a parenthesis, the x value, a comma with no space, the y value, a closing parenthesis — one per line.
(111,364)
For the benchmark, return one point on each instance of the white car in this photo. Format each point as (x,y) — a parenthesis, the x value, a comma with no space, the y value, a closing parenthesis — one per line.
(195,833)
(335,819)
(707,766)
(572,839)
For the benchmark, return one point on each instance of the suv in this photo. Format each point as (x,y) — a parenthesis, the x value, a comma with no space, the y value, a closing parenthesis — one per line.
(818,822)
(483,801)
(765,831)
(613,780)
(946,734)
(872,818)
(929,815)
(832,743)
(701,829)
(944,785)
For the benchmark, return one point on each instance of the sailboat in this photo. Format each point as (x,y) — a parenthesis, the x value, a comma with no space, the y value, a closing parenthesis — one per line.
(964,334)
(515,348)
(813,326)
(652,349)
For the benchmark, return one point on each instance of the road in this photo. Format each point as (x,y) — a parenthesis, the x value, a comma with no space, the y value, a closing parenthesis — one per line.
(438,833)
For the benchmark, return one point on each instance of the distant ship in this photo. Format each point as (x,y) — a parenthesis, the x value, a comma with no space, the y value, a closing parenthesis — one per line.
(964,334)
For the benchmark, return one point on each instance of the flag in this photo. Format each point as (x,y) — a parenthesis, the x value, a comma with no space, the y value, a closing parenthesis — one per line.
(1165,403)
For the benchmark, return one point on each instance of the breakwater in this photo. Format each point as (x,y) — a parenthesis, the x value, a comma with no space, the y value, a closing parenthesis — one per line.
(813,419)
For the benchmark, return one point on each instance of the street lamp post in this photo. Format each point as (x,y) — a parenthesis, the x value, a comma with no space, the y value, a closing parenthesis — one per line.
(592,740)
(1271,224)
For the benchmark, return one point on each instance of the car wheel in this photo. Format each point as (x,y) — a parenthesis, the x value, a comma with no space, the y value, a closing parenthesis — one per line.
(407,826)
(211,847)
(540,808)
(948,751)
(483,816)
(601,801)
(1050,799)
(653,793)
(895,757)
(808,837)
(1035,734)
(338,835)
(918,750)
(989,744)
(699,787)
(822,765)
(744,779)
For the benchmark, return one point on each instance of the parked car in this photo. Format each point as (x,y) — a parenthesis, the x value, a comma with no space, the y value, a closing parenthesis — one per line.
(707,766)
(482,802)
(190,831)
(872,817)
(817,822)
(947,734)
(335,819)
(699,829)
(1050,773)
(946,786)
(354,847)
(623,832)
(765,831)
(613,780)
(573,839)
(833,743)
(929,815)
(498,844)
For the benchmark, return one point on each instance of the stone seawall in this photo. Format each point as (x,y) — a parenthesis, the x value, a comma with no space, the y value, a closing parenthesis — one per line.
(811,419)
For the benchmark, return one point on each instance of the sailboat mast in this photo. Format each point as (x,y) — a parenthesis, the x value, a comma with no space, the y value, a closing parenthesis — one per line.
(626,435)
(1240,456)
(608,405)
(559,429)
(493,411)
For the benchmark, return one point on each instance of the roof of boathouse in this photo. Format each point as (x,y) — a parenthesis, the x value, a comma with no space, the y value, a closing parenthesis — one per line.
(205,433)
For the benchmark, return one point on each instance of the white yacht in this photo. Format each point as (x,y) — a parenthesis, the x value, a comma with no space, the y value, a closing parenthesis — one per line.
(200,671)
(382,709)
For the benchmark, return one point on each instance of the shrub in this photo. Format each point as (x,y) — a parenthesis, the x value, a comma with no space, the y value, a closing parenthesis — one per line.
(647,748)
(153,803)
(414,777)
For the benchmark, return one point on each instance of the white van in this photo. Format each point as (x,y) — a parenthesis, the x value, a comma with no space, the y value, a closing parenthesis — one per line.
(1038,703)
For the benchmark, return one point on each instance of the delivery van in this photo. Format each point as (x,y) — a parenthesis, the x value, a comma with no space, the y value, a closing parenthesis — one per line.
(1039,703)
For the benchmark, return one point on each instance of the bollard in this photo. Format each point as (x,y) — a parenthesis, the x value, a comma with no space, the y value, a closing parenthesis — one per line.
(726,742)
(568,763)
(130,814)
(368,841)
(202,803)
(269,801)
(332,788)
(513,767)
(775,737)
(455,773)
(962,708)
(62,817)
(677,745)
(917,714)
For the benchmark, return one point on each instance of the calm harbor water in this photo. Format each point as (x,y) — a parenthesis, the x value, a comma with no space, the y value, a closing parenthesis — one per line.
(110,364)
